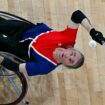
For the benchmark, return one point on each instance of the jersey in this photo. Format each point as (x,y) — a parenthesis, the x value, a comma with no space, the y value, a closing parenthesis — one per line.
(43,45)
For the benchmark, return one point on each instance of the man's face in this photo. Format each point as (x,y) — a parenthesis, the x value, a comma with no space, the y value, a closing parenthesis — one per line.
(68,57)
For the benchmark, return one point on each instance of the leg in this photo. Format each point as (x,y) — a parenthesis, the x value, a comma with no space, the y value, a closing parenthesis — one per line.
(7,44)
(10,32)
(13,27)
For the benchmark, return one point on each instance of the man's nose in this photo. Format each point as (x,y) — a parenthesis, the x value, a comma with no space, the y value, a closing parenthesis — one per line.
(71,56)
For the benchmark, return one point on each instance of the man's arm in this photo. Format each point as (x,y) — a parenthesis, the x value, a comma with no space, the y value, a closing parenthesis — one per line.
(78,17)
(13,66)
(23,70)
(29,68)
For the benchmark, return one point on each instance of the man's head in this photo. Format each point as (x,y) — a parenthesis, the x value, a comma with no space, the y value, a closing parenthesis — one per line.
(70,57)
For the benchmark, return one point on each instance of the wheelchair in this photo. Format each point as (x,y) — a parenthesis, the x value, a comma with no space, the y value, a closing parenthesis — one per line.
(13,85)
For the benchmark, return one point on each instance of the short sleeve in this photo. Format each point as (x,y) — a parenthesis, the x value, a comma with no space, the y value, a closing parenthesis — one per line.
(41,68)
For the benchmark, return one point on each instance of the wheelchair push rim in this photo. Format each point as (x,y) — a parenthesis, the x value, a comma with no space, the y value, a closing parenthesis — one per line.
(24,90)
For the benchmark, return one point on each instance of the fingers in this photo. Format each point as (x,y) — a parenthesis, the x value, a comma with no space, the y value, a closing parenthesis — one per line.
(97,36)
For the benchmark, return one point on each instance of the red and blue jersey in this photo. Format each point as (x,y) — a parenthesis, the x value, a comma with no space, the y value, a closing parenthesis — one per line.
(44,42)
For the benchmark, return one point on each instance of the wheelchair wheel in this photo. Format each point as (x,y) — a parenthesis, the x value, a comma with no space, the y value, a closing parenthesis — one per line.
(13,87)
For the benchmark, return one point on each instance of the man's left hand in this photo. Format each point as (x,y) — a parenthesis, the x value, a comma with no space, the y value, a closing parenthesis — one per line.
(97,36)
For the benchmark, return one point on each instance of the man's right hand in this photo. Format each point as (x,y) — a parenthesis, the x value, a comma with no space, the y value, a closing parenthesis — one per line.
(97,36)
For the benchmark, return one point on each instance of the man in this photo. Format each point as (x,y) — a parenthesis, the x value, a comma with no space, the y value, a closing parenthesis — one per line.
(43,48)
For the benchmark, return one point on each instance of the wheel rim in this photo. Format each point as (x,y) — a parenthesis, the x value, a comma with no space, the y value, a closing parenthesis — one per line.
(24,90)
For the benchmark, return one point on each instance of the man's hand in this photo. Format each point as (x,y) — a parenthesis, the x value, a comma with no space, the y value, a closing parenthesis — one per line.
(97,36)
(1,59)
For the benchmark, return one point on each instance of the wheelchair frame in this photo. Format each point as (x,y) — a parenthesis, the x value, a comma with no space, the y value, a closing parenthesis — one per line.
(5,73)
(9,16)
